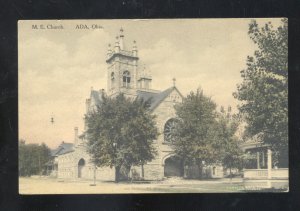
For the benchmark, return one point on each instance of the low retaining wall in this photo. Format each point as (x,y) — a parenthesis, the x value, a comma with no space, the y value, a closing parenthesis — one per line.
(281,173)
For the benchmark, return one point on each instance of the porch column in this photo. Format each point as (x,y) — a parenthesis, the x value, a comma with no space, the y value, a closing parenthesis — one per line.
(269,160)
(263,158)
(269,163)
(258,160)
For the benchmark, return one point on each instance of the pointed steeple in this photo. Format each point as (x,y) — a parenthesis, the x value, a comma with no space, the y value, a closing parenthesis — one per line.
(134,49)
(121,39)
(109,51)
(117,45)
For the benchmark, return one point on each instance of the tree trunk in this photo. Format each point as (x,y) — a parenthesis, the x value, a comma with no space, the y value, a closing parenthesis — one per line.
(200,167)
(143,171)
(124,172)
(117,173)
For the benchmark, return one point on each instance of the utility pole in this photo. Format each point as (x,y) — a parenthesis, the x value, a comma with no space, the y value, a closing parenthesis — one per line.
(40,164)
(142,168)
(117,168)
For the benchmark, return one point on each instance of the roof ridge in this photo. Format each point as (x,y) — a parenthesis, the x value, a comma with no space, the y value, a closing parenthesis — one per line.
(161,96)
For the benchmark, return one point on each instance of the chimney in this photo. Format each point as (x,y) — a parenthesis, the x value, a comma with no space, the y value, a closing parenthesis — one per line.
(76,136)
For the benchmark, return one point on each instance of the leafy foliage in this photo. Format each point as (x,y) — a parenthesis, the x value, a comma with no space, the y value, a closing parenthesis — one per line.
(264,90)
(231,153)
(32,158)
(120,133)
(195,141)
(205,136)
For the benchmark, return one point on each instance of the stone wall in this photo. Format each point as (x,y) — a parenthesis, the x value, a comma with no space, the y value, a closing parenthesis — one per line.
(154,170)
(105,174)
(65,168)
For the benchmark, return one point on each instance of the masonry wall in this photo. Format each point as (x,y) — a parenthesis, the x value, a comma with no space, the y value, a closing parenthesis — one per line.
(68,166)
(154,170)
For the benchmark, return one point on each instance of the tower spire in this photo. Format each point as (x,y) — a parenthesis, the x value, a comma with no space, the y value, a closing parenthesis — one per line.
(121,39)
(174,82)
(117,46)
(109,51)
(134,49)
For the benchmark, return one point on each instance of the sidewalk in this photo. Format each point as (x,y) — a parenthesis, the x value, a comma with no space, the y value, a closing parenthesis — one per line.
(45,185)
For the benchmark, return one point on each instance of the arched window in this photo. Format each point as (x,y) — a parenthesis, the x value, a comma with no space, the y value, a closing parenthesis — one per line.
(170,130)
(112,76)
(126,79)
(214,170)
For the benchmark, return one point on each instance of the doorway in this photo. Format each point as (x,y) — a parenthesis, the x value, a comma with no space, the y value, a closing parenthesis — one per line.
(81,164)
(173,167)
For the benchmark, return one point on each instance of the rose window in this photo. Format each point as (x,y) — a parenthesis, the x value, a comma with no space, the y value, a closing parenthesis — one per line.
(170,130)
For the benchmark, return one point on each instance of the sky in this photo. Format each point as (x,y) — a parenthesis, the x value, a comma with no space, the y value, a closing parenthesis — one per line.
(58,67)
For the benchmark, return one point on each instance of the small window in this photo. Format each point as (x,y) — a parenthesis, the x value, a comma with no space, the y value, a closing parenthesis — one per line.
(112,76)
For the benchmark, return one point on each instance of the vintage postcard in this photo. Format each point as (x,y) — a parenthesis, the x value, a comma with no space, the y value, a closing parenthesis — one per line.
(153,106)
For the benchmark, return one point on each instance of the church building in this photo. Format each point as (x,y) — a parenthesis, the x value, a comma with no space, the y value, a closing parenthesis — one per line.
(126,75)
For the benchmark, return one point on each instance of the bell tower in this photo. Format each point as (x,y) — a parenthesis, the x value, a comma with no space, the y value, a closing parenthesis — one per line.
(122,67)
(145,79)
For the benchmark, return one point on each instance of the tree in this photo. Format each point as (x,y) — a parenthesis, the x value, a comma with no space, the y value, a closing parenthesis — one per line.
(120,133)
(232,155)
(32,158)
(264,89)
(196,141)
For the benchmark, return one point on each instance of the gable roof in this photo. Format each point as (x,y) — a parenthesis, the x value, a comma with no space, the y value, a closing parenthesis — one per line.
(62,149)
(156,98)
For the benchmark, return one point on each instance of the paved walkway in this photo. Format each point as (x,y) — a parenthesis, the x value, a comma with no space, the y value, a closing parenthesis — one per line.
(44,185)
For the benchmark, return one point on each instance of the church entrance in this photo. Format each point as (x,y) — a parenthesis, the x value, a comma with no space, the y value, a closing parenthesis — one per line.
(81,164)
(173,167)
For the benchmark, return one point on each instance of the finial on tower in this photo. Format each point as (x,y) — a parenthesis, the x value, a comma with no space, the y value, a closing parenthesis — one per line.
(117,41)
(174,82)
(121,39)
(134,48)
(117,45)
(134,45)
(109,51)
